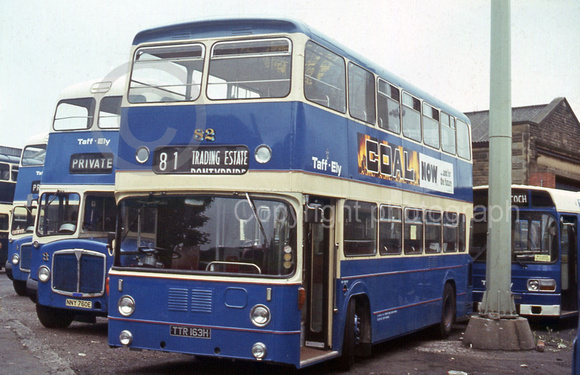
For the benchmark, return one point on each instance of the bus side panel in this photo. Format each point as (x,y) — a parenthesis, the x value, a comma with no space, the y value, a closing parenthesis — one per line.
(405,293)
(224,308)
(322,148)
(391,160)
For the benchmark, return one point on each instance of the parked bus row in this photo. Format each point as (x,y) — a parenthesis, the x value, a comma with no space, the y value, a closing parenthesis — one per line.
(254,190)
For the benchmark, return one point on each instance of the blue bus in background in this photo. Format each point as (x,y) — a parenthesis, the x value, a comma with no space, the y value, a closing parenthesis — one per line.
(24,212)
(76,208)
(282,199)
(544,249)
(9,160)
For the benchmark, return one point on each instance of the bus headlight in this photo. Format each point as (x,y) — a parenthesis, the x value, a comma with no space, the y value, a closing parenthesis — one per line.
(126,338)
(260,315)
(15,259)
(541,285)
(43,274)
(126,305)
(259,351)
(263,154)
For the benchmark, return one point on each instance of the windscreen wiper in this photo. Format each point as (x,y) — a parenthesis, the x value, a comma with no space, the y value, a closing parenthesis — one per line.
(255,211)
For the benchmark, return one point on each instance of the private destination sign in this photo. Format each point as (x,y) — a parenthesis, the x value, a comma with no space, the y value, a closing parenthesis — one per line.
(91,163)
(207,160)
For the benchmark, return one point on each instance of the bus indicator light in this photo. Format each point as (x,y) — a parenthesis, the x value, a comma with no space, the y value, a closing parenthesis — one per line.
(301,297)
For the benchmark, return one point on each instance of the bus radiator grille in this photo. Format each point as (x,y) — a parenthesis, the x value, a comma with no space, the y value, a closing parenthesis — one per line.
(25,257)
(78,274)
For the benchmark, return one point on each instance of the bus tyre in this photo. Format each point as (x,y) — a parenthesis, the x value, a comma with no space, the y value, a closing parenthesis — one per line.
(351,336)
(20,287)
(54,318)
(447,311)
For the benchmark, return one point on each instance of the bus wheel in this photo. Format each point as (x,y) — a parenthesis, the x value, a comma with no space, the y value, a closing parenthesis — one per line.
(351,337)
(54,318)
(447,311)
(20,287)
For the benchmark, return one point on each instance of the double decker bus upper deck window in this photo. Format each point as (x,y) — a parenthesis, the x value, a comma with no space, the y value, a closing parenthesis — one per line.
(463,140)
(110,112)
(447,133)
(234,235)
(324,77)
(411,117)
(167,74)
(430,125)
(361,93)
(74,114)
(250,69)
(33,155)
(388,103)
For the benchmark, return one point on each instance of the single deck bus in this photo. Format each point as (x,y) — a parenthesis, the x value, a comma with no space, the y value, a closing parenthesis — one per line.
(9,159)
(282,199)
(544,249)
(24,212)
(76,208)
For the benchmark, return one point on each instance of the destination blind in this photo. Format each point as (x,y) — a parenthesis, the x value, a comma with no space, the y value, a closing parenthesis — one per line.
(206,160)
(91,163)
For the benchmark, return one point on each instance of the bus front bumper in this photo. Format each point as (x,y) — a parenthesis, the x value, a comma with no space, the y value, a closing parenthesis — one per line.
(8,267)
(532,310)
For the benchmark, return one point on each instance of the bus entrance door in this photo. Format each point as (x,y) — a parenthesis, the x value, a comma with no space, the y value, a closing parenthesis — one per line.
(317,258)
(569,261)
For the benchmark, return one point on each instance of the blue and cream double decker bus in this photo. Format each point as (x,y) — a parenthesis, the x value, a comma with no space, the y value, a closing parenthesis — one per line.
(9,159)
(544,249)
(24,212)
(282,199)
(76,209)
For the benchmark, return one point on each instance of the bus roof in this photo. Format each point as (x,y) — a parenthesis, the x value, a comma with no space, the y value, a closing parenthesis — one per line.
(214,28)
(114,86)
(564,200)
(37,139)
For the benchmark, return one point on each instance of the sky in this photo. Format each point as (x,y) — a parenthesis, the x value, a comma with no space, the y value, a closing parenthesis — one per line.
(440,46)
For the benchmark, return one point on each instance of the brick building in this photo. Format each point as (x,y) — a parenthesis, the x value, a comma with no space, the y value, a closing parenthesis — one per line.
(545,146)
